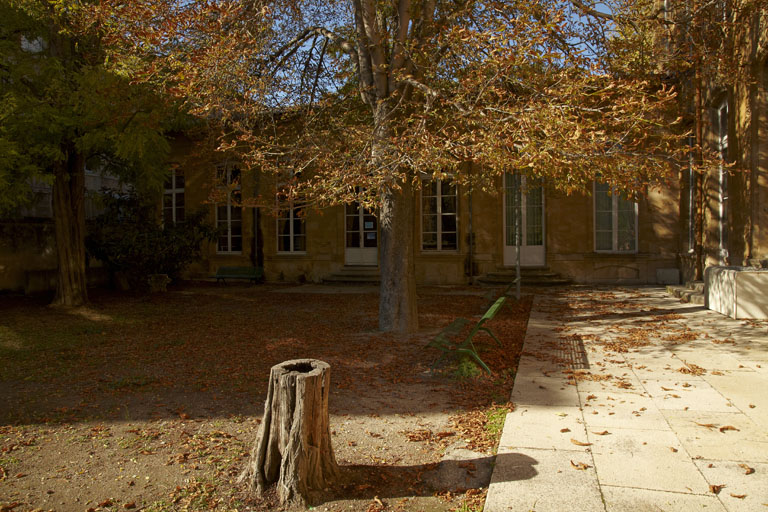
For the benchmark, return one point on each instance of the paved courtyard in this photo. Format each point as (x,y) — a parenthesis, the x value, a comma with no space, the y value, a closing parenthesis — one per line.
(628,400)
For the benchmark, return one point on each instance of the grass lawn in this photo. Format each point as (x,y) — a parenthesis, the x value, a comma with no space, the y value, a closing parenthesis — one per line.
(153,402)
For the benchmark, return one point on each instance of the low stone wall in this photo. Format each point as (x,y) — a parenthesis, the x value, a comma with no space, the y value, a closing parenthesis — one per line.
(737,292)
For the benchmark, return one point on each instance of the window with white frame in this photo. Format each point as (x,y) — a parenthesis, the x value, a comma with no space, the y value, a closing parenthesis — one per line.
(229,214)
(291,229)
(615,221)
(173,198)
(439,216)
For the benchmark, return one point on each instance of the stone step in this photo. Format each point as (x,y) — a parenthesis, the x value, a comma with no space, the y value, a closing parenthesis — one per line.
(691,293)
(354,275)
(696,285)
(693,297)
(530,276)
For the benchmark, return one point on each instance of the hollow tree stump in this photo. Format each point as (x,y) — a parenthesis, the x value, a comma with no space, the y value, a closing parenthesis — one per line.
(293,448)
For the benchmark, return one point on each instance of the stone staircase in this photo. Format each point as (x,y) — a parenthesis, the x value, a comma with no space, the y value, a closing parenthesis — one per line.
(531,276)
(355,275)
(691,292)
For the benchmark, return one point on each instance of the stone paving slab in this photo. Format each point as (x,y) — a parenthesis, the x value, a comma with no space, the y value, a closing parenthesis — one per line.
(628,400)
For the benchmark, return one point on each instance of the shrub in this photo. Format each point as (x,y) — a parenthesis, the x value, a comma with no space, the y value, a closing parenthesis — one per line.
(129,238)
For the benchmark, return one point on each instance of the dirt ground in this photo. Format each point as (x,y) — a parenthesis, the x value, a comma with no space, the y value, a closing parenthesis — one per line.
(153,402)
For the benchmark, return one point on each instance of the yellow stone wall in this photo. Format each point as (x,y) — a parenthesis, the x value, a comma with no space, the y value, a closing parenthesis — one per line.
(568,231)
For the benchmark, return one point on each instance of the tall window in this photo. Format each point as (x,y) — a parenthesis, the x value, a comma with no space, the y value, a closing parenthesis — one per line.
(439,216)
(615,221)
(173,198)
(229,215)
(291,230)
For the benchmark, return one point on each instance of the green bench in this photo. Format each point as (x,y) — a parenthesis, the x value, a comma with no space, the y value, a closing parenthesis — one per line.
(251,273)
(467,347)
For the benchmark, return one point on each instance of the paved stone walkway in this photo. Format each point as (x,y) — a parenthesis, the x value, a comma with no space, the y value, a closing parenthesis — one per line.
(628,400)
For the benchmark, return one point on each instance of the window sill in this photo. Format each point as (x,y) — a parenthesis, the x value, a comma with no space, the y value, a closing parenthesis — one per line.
(291,253)
(229,253)
(616,253)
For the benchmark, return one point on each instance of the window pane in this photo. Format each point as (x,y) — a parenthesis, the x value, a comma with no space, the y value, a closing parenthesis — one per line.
(237,244)
(180,214)
(236,213)
(221,214)
(369,223)
(603,240)
(603,221)
(284,227)
(603,201)
(179,179)
(179,199)
(223,245)
(369,240)
(353,239)
(236,228)
(626,221)
(283,243)
(167,216)
(534,231)
(429,241)
(300,243)
(429,205)
(234,176)
(448,223)
(430,224)
(298,226)
(447,188)
(353,223)
(352,209)
(167,200)
(448,204)
(429,188)
(448,241)
(626,241)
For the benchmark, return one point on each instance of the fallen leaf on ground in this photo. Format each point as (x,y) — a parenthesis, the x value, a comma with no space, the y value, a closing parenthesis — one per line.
(579,443)
(747,470)
(603,433)
(673,449)
(581,466)
(710,426)
(739,496)
(715,489)
(728,427)
(564,430)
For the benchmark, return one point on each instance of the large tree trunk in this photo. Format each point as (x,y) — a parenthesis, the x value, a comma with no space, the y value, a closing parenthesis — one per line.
(397,297)
(69,220)
(293,448)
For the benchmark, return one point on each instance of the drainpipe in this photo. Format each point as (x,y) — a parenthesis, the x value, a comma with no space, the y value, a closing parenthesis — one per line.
(471,235)
(518,237)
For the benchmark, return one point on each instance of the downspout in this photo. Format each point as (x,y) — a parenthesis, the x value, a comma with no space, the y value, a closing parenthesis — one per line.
(257,244)
(471,236)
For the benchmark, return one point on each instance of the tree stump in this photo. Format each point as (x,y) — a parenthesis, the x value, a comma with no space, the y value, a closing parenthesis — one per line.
(293,448)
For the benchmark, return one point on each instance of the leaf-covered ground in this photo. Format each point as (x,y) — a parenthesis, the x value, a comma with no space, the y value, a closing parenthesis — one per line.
(153,402)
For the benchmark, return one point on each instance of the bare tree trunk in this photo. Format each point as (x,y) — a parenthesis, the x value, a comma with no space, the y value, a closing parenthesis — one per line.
(293,448)
(397,297)
(69,221)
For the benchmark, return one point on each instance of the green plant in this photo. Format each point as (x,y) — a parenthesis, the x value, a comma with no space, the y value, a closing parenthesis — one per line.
(467,369)
(128,237)
(495,417)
